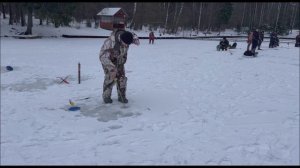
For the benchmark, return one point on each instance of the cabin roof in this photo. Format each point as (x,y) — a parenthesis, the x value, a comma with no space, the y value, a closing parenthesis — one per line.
(109,11)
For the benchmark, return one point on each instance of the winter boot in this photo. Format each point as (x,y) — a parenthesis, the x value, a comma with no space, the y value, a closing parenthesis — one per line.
(122,99)
(107,100)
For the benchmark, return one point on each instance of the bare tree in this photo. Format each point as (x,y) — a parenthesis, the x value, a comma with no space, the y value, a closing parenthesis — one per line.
(133,14)
(261,14)
(270,11)
(278,13)
(284,15)
(295,15)
(199,18)
(167,16)
(22,17)
(29,22)
(175,15)
(10,14)
(251,17)
(16,12)
(209,18)
(243,14)
(193,14)
(3,10)
(178,17)
(254,16)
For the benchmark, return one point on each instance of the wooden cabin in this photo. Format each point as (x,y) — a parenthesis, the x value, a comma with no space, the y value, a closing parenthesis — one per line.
(112,18)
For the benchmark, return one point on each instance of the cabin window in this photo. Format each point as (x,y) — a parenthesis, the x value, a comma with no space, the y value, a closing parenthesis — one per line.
(119,20)
(106,19)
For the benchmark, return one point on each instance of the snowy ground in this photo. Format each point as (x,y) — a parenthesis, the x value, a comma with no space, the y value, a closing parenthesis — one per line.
(188,105)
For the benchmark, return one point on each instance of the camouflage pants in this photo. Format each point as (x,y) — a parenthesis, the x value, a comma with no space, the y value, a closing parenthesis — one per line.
(114,75)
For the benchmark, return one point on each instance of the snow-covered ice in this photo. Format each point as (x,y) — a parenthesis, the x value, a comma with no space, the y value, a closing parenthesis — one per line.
(188,105)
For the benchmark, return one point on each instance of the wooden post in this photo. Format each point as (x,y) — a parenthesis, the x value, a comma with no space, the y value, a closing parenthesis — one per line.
(78,72)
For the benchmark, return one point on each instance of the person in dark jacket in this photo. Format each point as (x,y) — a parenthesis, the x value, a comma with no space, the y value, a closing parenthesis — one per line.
(224,44)
(255,40)
(297,40)
(274,40)
(261,39)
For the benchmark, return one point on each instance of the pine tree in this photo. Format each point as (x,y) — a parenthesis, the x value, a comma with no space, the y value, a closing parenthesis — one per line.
(224,14)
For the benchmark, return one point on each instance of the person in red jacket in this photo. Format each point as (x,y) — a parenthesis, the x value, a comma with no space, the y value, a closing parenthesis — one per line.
(151,37)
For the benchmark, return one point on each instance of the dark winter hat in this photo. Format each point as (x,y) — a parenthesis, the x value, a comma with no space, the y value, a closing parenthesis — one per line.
(127,37)
(9,68)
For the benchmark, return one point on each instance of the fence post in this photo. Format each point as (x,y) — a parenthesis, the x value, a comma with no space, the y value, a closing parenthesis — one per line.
(78,72)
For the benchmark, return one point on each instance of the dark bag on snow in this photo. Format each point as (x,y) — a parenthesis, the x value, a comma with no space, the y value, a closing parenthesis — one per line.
(233,46)
(248,53)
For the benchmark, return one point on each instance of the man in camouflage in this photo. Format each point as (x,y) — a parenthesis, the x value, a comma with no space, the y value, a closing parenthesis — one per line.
(113,56)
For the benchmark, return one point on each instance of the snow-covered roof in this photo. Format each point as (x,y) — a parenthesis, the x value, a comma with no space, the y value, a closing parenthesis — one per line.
(109,11)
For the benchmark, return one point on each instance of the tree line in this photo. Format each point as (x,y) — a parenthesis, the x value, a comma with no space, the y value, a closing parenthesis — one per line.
(281,17)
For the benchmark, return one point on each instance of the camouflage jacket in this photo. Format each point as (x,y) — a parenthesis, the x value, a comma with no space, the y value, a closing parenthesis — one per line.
(112,52)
